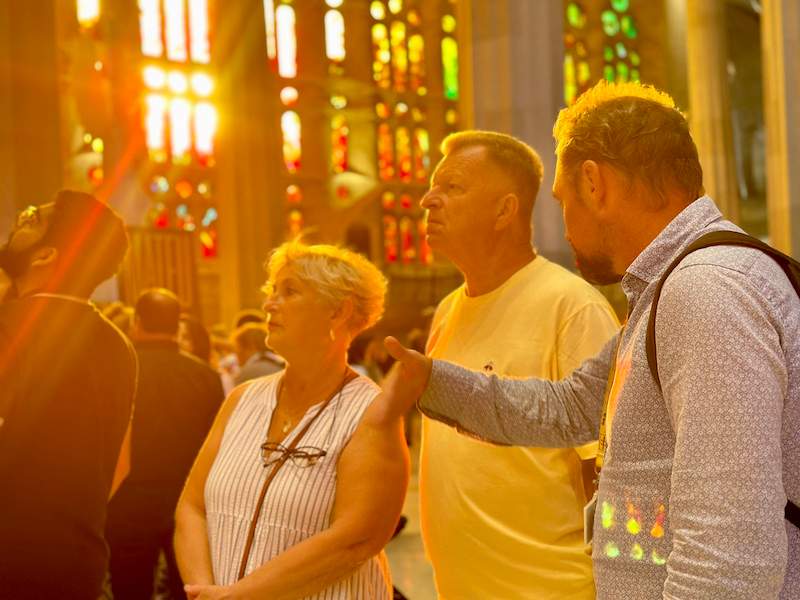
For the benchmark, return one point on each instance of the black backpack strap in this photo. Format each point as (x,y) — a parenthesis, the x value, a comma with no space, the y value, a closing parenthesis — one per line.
(721,238)
(716,238)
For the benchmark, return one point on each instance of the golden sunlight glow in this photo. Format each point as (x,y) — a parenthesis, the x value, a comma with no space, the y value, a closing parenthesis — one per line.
(334,35)
(88,13)
(150,28)
(155,134)
(177,82)
(205,128)
(198,31)
(202,84)
(287,41)
(269,26)
(154,77)
(175,20)
(180,112)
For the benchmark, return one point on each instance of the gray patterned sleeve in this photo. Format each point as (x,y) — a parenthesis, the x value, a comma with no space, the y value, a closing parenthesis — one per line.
(522,412)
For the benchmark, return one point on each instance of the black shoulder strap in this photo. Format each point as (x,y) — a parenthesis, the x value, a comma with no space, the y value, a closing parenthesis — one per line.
(716,238)
(721,238)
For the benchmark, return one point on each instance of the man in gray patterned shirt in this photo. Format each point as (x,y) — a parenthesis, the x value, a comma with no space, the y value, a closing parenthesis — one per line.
(696,474)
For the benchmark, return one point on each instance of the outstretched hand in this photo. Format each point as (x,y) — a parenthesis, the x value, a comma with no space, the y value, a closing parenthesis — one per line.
(406,381)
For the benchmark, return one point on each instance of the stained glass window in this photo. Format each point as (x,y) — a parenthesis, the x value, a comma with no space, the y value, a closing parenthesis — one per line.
(422,158)
(269,29)
(334,35)
(450,68)
(175,24)
(205,128)
(621,60)
(382,56)
(390,245)
(385,152)
(180,113)
(88,12)
(150,28)
(577,73)
(287,41)
(403,141)
(416,60)
(399,55)
(290,127)
(339,134)
(407,242)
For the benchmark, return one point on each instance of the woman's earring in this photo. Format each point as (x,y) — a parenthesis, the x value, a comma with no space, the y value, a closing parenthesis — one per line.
(333,335)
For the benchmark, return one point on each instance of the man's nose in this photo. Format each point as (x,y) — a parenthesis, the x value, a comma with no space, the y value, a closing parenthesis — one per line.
(430,200)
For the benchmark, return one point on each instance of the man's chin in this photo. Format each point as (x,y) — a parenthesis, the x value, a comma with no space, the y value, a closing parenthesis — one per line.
(598,271)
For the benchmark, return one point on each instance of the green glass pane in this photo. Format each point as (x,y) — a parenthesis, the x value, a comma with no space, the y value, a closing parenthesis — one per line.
(635,59)
(575,15)
(608,53)
(623,73)
(622,51)
(583,73)
(620,5)
(635,75)
(610,22)
(608,73)
(629,27)
(570,87)
(450,68)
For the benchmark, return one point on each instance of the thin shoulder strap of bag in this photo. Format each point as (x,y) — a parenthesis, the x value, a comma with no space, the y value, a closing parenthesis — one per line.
(276,467)
(716,238)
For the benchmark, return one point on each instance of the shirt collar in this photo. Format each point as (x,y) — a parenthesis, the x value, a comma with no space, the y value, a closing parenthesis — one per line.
(681,231)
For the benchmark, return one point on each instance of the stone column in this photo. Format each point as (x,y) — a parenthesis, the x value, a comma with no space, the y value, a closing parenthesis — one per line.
(517,73)
(709,101)
(780,45)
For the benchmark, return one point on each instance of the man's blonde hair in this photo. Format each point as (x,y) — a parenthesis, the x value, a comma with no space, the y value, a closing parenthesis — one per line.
(512,156)
(336,274)
(635,128)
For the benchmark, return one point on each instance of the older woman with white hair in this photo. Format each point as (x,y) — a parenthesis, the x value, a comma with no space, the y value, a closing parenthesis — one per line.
(301,480)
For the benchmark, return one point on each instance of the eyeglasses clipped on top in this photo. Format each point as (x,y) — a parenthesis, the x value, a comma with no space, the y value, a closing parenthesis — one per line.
(303,456)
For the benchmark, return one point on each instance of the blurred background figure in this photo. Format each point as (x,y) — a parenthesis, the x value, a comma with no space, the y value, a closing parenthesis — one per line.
(254,358)
(194,339)
(120,315)
(176,400)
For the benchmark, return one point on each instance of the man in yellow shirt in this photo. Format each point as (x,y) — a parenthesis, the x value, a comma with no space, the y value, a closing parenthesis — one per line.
(502,522)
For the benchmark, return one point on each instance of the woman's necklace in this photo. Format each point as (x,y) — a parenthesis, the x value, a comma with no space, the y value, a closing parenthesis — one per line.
(288,422)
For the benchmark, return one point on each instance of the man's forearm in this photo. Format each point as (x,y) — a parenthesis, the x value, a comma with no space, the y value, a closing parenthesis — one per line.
(523,412)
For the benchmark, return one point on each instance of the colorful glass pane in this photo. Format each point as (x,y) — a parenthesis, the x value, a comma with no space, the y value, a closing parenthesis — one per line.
(269,29)
(202,84)
(180,113)
(422,160)
(608,73)
(382,56)
(622,51)
(210,216)
(450,68)
(395,6)
(623,72)
(294,223)
(339,134)
(294,195)
(287,41)
(154,77)
(378,10)
(403,141)
(628,27)
(399,55)
(406,201)
(635,59)
(150,28)
(388,200)
(416,59)
(610,22)
(385,152)
(407,246)
(451,116)
(570,79)
(338,102)
(334,3)
(88,12)
(208,242)
(199,43)
(292,151)
(448,23)
(575,15)
(175,29)
(390,239)
(620,5)
(334,36)
(289,95)
(205,129)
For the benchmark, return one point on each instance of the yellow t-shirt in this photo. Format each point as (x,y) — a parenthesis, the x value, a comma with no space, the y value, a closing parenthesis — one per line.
(498,522)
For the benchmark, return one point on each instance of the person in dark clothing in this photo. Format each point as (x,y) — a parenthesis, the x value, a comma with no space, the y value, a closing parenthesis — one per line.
(176,401)
(68,378)
(255,359)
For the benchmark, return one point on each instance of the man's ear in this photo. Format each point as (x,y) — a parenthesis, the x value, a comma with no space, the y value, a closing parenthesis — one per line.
(44,257)
(507,211)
